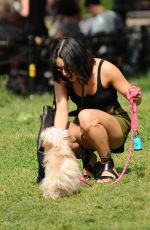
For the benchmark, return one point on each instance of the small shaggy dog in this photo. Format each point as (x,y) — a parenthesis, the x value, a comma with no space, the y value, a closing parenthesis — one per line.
(62,174)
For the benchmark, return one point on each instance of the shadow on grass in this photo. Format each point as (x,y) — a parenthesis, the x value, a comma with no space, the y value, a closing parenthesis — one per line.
(139,171)
(129,170)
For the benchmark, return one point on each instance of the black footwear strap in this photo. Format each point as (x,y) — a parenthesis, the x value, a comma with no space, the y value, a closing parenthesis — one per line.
(108,166)
(98,169)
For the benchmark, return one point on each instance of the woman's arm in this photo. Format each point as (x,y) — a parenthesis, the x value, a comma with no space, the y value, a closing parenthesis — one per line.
(61,97)
(111,75)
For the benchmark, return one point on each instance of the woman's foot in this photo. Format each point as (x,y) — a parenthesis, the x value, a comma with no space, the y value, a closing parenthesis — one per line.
(87,174)
(108,172)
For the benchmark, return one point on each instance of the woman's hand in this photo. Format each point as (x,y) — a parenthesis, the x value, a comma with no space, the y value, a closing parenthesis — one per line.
(134,92)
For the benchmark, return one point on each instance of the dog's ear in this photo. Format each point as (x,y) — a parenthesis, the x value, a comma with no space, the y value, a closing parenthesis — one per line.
(46,144)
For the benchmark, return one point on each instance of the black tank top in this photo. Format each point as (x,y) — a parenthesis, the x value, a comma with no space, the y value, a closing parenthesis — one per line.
(102,99)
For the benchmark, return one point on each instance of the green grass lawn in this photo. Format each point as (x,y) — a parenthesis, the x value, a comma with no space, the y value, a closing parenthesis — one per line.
(124,206)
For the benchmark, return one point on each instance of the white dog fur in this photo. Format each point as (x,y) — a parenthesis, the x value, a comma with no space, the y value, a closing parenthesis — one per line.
(62,174)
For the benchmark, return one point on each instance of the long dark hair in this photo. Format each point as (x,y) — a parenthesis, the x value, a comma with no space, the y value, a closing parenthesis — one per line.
(75,55)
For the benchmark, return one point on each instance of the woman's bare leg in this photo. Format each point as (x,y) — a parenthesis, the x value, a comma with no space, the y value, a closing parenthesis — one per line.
(89,158)
(101,131)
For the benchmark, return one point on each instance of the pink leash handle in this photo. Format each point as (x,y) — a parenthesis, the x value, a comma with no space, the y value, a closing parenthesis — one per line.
(134,120)
(132,93)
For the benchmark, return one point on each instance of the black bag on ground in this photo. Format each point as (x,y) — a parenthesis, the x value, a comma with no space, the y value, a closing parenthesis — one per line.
(47,120)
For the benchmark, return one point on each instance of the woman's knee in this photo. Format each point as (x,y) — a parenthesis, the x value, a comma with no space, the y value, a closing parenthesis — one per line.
(86,119)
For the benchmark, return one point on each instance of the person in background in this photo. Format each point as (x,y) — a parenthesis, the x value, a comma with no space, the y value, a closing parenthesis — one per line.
(11,22)
(16,18)
(100,20)
(141,4)
(121,7)
(101,124)
(67,14)
(35,24)
(5,9)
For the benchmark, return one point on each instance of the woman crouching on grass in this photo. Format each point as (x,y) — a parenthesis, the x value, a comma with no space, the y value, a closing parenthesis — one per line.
(101,124)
